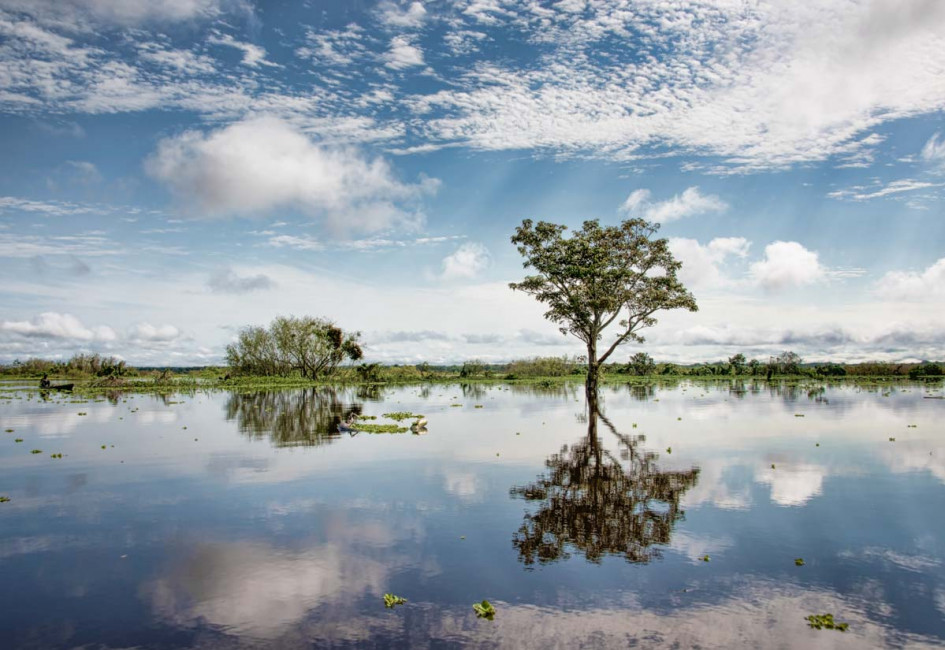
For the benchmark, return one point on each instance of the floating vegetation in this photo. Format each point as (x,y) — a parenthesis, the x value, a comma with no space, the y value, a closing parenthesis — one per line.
(669,450)
(816,444)
(798,561)
(454,405)
(825,621)
(772,465)
(4,499)
(798,415)
(37,451)
(82,413)
(399,416)
(367,417)
(484,610)
(18,440)
(912,426)
(391,601)
(104,447)
(9,430)
(55,455)
(380,428)
(705,558)
(891,439)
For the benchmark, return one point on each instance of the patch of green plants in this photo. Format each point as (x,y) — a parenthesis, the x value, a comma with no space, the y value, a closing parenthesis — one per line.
(367,417)
(705,558)
(825,622)
(382,428)
(55,455)
(9,430)
(4,499)
(391,601)
(402,415)
(37,451)
(484,610)
(798,561)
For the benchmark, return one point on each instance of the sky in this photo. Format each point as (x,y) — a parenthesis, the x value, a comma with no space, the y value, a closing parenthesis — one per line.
(174,170)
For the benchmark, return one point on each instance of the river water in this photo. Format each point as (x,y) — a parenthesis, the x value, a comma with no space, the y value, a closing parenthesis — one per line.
(674,517)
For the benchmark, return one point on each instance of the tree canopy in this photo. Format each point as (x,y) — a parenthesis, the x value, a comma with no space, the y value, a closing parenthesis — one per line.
(313,347)
(598,275)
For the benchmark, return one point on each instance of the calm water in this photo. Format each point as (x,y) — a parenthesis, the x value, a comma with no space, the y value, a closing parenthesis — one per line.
(225,520)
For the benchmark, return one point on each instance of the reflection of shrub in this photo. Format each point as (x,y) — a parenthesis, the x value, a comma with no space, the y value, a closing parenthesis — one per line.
(831,370)
(926,370)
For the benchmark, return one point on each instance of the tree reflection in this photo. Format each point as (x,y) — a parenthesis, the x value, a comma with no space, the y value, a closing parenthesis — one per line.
(592,502)
(298,418)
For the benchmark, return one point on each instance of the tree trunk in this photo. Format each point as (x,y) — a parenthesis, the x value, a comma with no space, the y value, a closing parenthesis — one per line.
(593,371)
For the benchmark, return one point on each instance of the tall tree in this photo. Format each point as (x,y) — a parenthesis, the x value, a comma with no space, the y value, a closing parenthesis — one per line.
(598,275)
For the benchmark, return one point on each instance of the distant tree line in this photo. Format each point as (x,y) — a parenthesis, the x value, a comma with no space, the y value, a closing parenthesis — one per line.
(307,346)
(81,364)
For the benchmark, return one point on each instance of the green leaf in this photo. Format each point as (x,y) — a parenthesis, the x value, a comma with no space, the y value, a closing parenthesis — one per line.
(484,610)
(391,601)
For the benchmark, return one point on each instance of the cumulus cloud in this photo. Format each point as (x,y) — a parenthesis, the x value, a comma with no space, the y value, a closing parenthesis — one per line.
(148,333)
(914,285)
(468,261)
(787,264)
(53,325)
(702,264)
(793,484)
(690,203)
(259,164)
(410,16)
(403,54)
(228,281)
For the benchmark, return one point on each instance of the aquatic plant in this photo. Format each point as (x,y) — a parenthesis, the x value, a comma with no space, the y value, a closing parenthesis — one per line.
(55,455)
(798,561)
(391,601)
(9,430)
(669,450)
(4,499)
(398,416)
(484,610)
(705,558)
(825,621)
(18,440)
(380,428)
(37,451)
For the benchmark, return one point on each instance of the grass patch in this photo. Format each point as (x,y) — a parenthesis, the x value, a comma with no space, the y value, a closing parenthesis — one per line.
(825,622)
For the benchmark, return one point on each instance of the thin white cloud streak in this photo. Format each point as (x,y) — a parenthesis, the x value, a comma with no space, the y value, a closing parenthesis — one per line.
(865,193)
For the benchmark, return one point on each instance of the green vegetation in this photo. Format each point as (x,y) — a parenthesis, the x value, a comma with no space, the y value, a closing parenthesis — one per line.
(4,499)
(598,274)
(391,601)
(18,440)
(484,610)
(381,428)
(402,415)
(311,347)
(799,561)
(36,451)
(825,621)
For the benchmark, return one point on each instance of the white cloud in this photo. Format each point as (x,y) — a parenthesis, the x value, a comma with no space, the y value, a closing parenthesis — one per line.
(468,261)
(879,190)
(691,202)
(702,264)
(228,281)
(53,325)
(914,285)
(76,14)
(148,333)
(253,55)
(787,264)
(403,54)
(411,16)
(256,165)
(934,150)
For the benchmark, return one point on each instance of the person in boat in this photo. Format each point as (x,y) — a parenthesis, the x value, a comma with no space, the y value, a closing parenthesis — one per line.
(44,382)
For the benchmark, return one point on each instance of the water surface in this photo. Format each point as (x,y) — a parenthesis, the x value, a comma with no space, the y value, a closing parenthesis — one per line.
(219,520)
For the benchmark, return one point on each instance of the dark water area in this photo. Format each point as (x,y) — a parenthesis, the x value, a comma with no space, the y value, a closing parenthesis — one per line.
(672,518)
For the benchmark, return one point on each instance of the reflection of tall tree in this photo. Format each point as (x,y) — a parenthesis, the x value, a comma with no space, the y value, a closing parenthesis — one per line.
(592,502)
(297,418)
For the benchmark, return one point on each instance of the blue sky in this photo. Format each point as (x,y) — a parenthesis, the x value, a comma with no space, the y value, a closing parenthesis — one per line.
(173,170)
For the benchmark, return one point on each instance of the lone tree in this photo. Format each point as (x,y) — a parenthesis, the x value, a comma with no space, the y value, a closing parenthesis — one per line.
(597,276)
